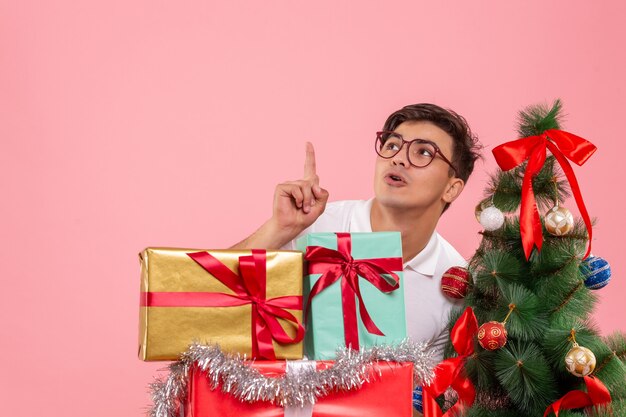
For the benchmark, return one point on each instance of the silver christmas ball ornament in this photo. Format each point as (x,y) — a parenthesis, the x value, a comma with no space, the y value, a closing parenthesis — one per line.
(491,218)
(480,207)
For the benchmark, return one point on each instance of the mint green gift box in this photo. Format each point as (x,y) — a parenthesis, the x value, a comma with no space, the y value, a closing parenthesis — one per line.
(325,323)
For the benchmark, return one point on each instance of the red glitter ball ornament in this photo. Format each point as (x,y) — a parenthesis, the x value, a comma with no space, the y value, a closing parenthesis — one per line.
(455,282)
(492,335)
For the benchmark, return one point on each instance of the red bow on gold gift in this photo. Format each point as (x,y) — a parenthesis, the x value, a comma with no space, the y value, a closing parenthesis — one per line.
(248,288)
(596,394)
(563,146)
(451,373)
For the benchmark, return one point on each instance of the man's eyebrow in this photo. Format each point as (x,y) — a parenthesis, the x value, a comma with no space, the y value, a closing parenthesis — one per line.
(424,140)
(410,140)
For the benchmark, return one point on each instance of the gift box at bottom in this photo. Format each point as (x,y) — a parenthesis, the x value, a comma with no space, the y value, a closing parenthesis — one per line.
(388,393)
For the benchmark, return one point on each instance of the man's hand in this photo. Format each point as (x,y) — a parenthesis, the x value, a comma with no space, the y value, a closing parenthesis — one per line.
(297,204)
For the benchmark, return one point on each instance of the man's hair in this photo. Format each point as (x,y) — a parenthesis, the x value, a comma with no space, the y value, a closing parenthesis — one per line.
(465,146)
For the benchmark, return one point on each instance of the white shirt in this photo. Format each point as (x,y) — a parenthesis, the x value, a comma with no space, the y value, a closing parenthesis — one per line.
(427,308)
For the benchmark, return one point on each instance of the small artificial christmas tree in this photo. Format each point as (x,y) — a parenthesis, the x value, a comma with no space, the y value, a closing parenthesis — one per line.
(531,291)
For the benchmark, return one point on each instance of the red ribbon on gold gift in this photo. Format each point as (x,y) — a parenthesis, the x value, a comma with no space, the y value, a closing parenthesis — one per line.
(335,264)
(249,288)
(451,373)
(597,394)
(563,146)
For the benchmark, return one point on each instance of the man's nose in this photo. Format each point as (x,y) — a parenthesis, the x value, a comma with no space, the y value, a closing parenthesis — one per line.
(401,157)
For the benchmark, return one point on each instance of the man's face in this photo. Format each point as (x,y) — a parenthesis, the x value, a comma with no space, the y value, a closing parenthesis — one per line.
(398,184)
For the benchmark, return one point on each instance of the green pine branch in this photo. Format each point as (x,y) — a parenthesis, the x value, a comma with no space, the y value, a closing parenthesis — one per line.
(617,408)
(479,368)
(496,268)
(611,365)
(523,371)
(528,319)
(617,343)
(479,411)
(535,119)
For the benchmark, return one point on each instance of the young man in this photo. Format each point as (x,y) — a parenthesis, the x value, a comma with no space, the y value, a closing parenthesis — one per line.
(425,156)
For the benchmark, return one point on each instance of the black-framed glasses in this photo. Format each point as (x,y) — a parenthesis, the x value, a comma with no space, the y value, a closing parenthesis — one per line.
(419,152)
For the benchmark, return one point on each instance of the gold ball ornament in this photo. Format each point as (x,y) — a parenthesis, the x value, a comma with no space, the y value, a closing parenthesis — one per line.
(559,221)
(580,361)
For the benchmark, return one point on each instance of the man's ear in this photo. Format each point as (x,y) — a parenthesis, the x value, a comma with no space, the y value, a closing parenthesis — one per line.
(453,189)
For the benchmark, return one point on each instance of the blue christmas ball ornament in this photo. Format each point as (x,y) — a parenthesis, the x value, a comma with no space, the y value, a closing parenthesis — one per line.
(417,399)
(597,272)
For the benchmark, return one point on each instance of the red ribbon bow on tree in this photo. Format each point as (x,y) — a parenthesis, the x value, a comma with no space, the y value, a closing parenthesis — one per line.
(249,288)
(563,146)
(451,373)
(335,264)
(596,394)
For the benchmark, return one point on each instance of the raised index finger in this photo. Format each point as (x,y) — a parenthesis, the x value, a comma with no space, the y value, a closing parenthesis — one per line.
(309,161)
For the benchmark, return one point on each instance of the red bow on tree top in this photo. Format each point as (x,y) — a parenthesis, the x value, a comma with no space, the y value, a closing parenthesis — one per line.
(563,146)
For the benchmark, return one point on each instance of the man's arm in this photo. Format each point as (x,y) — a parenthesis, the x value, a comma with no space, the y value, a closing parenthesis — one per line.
(297,204)
(268,236)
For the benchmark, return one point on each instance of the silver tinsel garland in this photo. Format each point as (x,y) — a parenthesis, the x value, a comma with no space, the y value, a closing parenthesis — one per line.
(350,370)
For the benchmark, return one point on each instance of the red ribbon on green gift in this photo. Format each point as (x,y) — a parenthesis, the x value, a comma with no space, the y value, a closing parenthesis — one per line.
(451,372)
(249,288)
(336,264)
(597,394)
(564,146)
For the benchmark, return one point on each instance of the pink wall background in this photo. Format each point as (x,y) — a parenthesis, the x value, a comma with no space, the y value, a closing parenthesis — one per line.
(129,124)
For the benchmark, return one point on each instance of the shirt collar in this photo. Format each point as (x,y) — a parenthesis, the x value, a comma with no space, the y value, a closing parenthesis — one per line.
(423,263)
(360,220)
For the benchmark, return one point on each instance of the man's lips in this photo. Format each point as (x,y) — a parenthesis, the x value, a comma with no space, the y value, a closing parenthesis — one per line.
(394,178)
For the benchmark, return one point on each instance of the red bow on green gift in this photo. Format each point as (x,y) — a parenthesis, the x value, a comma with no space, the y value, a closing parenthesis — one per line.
(563,146)
(248,288)
(451,372)
(335,264)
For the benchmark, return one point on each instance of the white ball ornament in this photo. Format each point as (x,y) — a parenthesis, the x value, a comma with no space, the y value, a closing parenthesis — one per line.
(491,218)
(480,207)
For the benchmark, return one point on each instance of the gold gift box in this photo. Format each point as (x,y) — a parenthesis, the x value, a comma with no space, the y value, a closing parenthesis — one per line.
(166,332)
